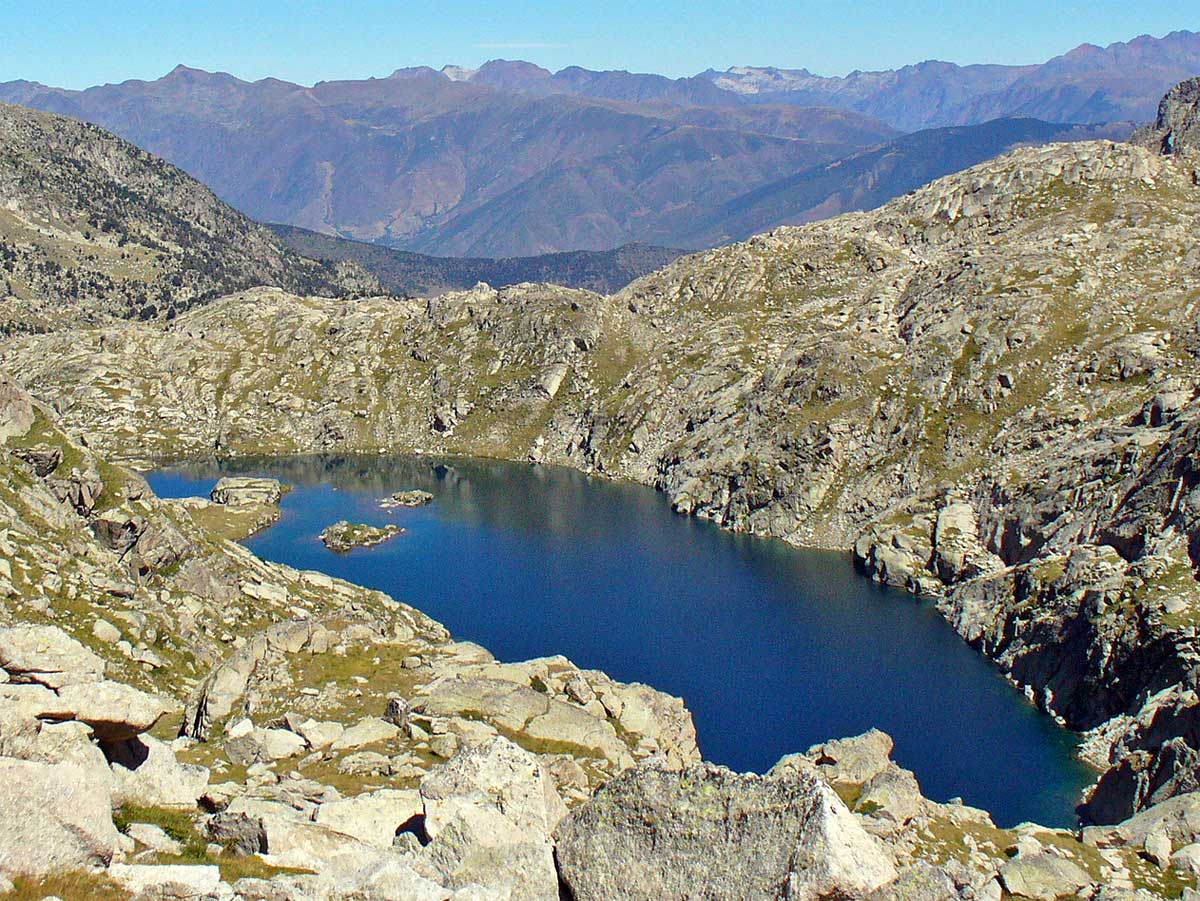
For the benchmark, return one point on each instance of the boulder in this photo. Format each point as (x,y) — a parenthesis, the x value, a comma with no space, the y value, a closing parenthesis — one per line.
(1187,860)
(386,878)
(1043,877)
(852,761)
(246,743)
(48,656)
(481,846)
(1178,818)
(497,775)
(654,833)
(28,738)
(115,711)
(512,707)
(154,838)
(105,631)
(291,842)
(893,794)
(148,774)
(374,817)
(367,731)
(16,411)
(1157,847)
(921,882)
(53,817)
(213,700)
(180,881)
(317,734)
(658,720)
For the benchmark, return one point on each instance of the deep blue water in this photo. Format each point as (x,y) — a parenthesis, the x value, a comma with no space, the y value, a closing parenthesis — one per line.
(773,648)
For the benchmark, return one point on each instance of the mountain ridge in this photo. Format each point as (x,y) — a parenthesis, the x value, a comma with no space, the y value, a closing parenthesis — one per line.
(397,160)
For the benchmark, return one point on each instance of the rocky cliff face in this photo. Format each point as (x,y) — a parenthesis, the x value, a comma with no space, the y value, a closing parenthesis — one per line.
(91,226)
(1176,130)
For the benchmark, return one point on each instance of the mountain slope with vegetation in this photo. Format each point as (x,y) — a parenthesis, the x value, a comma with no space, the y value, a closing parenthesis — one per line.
(92,226)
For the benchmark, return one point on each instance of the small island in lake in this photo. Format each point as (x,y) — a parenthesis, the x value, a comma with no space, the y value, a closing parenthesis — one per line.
(413,498)
(345,536)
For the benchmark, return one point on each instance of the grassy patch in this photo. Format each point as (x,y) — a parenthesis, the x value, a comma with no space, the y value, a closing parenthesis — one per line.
(69,886)
(181,827)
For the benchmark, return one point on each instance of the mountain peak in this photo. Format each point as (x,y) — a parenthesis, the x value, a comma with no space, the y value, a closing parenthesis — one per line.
(183,71)
(416,72)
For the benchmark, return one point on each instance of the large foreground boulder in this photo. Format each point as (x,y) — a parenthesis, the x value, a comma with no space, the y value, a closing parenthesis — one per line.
(489,813)
(53,817)
(497,775)
(115,711)
(148,774)
(653,833)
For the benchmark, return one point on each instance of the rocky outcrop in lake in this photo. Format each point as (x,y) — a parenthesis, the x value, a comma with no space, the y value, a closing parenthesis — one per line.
(344,536)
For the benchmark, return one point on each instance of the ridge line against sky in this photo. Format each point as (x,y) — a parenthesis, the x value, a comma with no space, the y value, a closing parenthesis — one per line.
(76,45)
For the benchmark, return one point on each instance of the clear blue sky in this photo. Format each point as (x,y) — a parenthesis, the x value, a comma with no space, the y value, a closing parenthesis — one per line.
(80,43)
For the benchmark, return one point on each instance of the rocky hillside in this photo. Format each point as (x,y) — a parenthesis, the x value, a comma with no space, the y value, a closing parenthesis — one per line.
(404,272)
(92,226)
(984,388)
(233,730)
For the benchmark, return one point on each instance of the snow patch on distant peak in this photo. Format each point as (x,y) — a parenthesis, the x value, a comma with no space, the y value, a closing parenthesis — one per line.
(458,73)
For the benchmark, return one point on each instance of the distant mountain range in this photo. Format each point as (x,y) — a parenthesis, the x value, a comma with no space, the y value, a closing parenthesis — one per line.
(511,160)
(1090,84)
(420,275)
